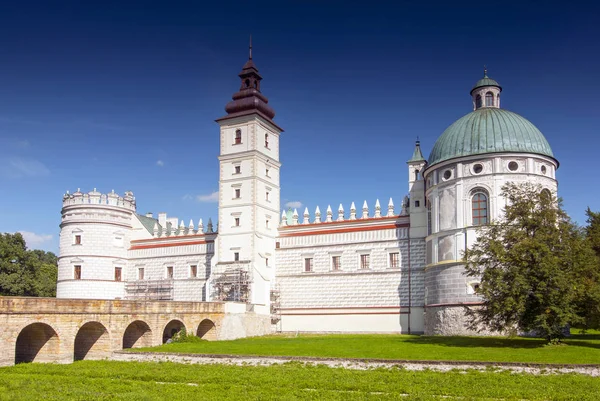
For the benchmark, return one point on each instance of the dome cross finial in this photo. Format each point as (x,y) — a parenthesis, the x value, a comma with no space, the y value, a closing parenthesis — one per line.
(484,70)
(250,49)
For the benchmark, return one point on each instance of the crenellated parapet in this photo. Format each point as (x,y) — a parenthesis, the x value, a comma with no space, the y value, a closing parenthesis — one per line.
(292,218)
(94,197)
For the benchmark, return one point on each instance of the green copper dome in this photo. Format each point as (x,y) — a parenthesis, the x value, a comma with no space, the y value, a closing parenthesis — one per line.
(489,130)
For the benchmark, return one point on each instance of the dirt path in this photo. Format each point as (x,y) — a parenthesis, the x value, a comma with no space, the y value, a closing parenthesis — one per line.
(361,364)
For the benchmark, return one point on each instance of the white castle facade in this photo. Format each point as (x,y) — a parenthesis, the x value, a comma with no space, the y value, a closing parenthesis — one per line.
(371,269)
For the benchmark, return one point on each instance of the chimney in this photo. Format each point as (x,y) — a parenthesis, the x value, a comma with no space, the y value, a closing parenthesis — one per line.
(149,214)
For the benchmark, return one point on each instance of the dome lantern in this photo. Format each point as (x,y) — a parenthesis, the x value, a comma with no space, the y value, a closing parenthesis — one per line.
(486,92)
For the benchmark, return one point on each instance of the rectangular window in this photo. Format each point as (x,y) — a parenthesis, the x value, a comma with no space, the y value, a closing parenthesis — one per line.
(364,261)
(238,137)
(78,240)
(237,221)
(238,169)
(141,273)
(394,260)
(169,272)
(267,172)
(266,261)
(267,223)
(237,193)
(417,203)
(236,256)
(267,141)
(267,196)
(77,272)
(336,263)
(194,271)
(118,272)
(308,264)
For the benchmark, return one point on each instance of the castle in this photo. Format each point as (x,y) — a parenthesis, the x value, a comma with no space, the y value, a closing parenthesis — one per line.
(358,270)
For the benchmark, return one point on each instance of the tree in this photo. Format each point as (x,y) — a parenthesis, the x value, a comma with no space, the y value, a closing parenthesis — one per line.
(25,272)
(529,263)
(588,303)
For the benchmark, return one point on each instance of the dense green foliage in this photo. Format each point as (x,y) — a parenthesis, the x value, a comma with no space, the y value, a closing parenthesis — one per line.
(25,272)
(532,265)
(589,298)
(582,349)
(108,380)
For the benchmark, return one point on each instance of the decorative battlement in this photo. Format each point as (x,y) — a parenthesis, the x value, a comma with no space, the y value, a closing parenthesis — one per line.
(168,228)
(290,218)
(96,198)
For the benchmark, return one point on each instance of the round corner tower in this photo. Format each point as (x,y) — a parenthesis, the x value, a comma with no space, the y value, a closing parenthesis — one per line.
(467,168)
(94,236)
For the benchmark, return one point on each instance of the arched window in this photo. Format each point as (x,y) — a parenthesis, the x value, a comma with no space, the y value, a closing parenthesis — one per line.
(479,208)
(489,99)
(417,175)
(247,82)
(478,101)
(238,137)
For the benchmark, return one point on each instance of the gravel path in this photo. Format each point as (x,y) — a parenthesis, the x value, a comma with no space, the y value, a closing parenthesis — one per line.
(361,364)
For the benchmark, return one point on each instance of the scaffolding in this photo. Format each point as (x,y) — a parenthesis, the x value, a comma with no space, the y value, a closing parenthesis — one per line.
(232,285)
(149,290)
(276,308)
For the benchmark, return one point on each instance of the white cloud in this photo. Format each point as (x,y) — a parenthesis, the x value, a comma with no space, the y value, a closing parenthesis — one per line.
(214,197)
(160,163)
(34,240)
(294,204)
(19,167)
(187,197)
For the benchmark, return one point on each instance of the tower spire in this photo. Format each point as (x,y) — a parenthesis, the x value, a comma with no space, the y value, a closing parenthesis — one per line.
(250,48)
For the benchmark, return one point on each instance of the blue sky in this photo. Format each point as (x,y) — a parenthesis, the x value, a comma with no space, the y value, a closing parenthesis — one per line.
(123,96)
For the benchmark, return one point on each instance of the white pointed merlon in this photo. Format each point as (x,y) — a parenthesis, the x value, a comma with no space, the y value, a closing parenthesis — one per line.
(352,211)
(283,219)
(191,227)
(295,217)
(200,227)
(365,214)
(377,209)
(317,215)
(155,230)
(329,218)
(306,216)
(181,228)
(340,213)
(390,208)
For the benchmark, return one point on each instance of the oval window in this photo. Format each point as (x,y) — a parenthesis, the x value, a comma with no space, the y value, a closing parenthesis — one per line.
(477,168)
(447,174)
(513,166)
(543,169)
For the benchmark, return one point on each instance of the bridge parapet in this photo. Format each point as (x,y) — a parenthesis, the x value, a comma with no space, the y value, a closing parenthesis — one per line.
(64,330)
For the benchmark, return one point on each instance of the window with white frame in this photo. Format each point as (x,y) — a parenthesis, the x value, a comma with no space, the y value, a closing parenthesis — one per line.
(118,273)
(140,273)
(77,239)
(336,263)
(170,272)
(237,193)
(394,260)
(77,272)
(193,271)
(237,169)
(308,264)
(238,137)
(365,260)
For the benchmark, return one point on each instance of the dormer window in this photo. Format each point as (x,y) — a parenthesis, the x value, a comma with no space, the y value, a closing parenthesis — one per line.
(489,99)
(238,137)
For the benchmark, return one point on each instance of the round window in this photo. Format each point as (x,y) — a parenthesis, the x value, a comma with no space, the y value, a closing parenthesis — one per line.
(543,169)
(447,174)
(513,166)
(477,168)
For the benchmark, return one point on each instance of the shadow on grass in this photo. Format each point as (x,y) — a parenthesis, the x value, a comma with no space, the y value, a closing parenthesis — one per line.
(483,342)
(580,340)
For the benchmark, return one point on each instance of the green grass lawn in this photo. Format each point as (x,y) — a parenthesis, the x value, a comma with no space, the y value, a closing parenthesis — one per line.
(579,349)
(110,380)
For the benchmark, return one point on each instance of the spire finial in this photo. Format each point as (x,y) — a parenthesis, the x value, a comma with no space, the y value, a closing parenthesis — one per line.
(250,48)
(484,70)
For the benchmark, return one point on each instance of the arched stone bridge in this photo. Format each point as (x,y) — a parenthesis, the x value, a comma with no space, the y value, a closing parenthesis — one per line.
(67,330)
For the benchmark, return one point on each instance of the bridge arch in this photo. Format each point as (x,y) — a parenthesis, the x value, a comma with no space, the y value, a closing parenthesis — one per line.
(91,342)
(207,330)
(138,334)
(37,342)
(173,327)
